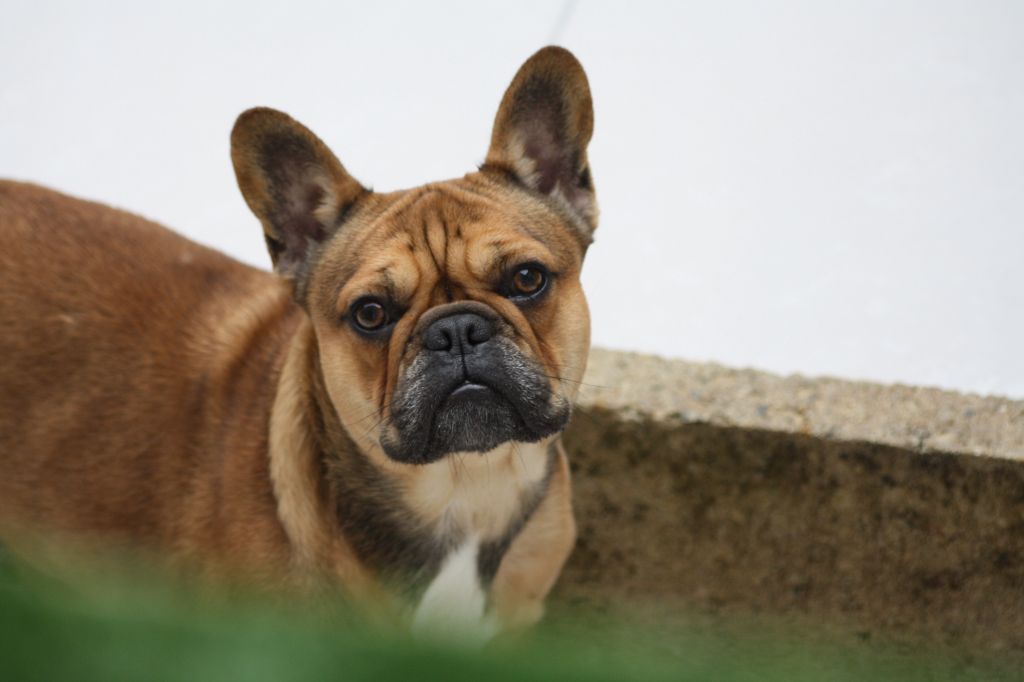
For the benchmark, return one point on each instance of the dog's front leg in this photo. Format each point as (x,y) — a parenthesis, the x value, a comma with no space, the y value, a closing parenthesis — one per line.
(533,561)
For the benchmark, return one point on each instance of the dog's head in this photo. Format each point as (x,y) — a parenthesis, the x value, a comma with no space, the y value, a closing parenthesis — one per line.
(449,317)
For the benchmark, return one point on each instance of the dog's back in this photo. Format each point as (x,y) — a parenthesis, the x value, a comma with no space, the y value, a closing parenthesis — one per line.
(122,346)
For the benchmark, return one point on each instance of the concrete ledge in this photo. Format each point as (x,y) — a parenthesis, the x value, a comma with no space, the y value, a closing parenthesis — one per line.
(863,509)
(915,418)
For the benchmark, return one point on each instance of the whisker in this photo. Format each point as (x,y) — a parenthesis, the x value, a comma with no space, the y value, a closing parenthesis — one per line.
(461,456)
(576,381)
(519,454)
(585,413)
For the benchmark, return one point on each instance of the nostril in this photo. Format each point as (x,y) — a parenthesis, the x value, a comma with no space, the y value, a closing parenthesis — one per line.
(478,331)
(462,332)
(439,338)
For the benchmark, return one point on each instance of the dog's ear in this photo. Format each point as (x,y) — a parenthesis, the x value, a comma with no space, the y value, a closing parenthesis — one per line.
(542,130)
(293,183)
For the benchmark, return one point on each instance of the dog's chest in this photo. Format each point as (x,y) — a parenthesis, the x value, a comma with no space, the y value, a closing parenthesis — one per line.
(455,601)
(479,495)
(478,503)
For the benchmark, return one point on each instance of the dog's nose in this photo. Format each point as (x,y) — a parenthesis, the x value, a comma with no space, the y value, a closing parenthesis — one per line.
(459,333)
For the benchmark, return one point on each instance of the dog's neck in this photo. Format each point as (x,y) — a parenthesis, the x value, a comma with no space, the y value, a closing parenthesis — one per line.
(343,512)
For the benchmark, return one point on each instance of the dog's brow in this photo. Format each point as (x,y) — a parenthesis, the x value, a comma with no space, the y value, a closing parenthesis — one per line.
(387,281)
(347,271)
(380,282)
(505,251)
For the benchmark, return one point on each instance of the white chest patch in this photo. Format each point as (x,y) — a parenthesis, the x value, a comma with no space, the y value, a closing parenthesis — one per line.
(454,602)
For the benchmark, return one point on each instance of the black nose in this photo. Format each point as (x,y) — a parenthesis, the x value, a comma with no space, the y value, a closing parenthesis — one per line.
(458,333)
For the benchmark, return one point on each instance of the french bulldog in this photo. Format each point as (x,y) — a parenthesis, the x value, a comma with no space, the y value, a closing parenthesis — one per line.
(380,414)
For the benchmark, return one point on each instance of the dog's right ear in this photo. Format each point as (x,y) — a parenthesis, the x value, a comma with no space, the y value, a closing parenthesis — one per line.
(293,183)
(542,130)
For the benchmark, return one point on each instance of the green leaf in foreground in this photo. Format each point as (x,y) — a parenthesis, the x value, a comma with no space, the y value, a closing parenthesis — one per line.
(123,629)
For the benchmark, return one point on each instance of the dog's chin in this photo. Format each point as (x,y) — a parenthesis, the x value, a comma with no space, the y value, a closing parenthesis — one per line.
(473,418)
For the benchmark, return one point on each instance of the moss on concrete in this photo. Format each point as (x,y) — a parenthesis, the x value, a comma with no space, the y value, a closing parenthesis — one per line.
(847,506)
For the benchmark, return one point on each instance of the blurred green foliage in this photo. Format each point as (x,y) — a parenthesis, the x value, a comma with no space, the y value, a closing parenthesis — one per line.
(114,627)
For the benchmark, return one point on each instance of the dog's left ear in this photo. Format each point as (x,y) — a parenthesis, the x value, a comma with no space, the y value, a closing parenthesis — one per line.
(542,130)
(295,186)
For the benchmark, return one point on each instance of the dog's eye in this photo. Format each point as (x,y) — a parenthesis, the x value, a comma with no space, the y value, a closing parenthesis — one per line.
(369,314)
(528,281)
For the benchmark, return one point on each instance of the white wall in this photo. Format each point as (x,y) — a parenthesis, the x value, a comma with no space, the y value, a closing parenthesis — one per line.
(825,188)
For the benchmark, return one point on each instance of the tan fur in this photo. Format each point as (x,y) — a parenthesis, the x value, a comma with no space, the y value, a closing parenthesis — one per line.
(161,396)
(126,350)
(529,570)
(477,492)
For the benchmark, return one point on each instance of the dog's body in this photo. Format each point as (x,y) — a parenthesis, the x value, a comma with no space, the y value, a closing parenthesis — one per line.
(382,414)
(135,373)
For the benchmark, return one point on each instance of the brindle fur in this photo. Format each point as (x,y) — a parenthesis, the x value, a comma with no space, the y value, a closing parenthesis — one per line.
(160,395)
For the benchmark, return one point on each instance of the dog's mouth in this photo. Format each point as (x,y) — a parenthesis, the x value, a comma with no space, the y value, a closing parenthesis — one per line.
(471,390)
(475,408)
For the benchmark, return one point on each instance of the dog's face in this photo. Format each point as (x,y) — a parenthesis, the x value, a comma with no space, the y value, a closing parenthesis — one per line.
(449,318)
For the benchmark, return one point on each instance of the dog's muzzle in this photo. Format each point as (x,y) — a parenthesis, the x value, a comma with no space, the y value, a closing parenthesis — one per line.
(468,389)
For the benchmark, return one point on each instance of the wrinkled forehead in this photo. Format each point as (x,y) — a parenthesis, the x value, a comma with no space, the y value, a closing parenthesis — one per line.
(444,238)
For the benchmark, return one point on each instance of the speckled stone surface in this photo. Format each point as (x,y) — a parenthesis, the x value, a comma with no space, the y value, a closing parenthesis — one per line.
(916,418)
(874,513)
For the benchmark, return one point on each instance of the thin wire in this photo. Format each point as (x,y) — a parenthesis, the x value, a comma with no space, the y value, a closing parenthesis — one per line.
(562,21)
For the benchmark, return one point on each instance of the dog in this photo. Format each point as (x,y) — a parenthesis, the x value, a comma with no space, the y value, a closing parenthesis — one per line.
(381,413)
